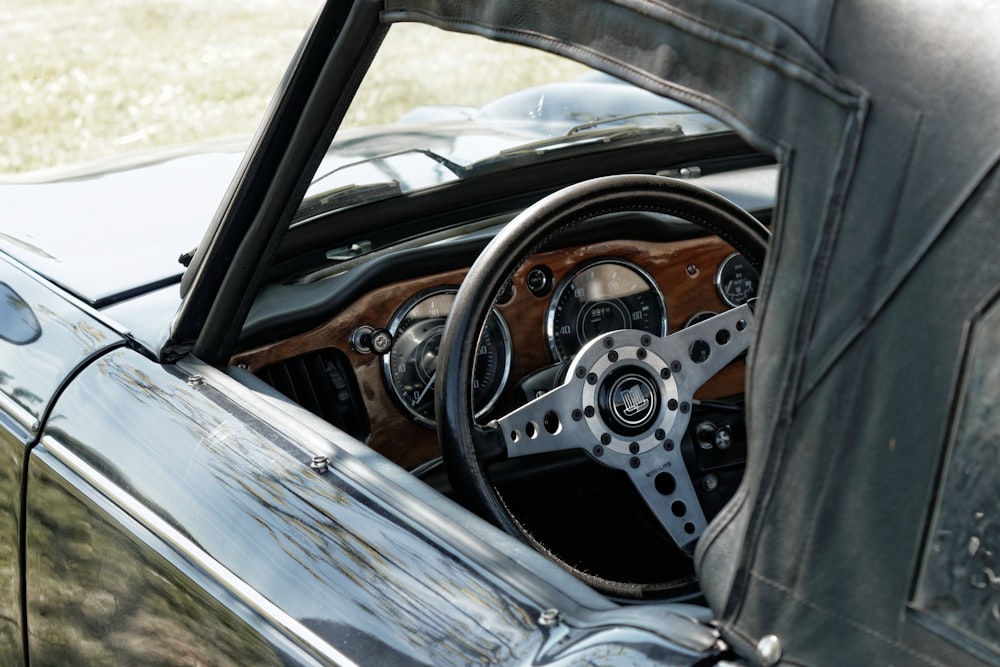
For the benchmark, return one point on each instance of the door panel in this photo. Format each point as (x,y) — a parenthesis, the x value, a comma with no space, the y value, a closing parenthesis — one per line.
(329,566)
(104,590)
(43,338)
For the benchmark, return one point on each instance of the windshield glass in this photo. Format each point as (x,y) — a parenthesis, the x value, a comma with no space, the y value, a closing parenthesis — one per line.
(438,106)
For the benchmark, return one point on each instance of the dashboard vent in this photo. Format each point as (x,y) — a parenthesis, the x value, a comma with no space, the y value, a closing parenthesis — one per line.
(322,382)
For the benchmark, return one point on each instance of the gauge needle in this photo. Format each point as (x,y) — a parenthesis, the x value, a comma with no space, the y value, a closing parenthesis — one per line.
(427,388)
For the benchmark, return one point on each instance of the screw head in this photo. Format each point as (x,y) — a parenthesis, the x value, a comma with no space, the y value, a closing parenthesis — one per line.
(549,618)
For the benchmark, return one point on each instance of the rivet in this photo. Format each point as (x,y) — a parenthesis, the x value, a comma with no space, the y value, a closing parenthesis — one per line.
(769,650)
(196,381)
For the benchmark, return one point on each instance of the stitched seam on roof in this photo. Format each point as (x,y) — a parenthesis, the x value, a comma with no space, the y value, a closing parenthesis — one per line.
(851,623)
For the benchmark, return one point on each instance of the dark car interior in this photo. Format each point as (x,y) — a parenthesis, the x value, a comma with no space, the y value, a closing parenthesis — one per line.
(354,339)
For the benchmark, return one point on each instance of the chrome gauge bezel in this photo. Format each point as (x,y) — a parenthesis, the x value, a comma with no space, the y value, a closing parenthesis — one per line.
(570,278)
(401,314)
(723,267)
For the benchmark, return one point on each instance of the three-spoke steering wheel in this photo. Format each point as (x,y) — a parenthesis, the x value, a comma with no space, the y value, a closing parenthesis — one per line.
(626,400)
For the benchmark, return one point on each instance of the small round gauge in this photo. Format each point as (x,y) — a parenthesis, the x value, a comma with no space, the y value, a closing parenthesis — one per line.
(737,280)
(411,363)
(602,296)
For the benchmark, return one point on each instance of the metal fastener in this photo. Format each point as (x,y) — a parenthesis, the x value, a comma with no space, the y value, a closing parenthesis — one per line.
(769,649)
(549,618)
(320,463)
(196,381)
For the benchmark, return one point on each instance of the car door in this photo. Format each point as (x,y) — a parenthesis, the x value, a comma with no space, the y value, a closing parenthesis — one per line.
(44,339)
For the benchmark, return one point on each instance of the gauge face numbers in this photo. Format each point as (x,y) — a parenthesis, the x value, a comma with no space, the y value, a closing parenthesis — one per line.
(600,297)
(736,280)
(411,364)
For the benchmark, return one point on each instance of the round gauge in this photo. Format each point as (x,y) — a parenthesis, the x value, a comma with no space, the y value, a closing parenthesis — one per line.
(737,280)
(602,296)
(411,363)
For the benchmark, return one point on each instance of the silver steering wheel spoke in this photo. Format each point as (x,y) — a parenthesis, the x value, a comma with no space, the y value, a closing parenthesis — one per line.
(627,402)
(550,423)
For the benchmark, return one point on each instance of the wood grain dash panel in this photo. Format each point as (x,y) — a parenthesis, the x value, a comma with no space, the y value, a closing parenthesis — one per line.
(684,270)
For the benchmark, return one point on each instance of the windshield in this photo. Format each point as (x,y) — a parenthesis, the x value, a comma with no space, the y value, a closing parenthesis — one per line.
(436,107)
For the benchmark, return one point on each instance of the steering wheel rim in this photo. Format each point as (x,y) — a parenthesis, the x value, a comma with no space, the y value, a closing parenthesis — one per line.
(469,448)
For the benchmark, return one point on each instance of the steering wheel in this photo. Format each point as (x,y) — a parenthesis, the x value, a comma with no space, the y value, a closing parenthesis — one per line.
(626,400)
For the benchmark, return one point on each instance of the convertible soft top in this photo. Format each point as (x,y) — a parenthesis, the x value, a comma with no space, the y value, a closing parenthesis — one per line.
(865,531)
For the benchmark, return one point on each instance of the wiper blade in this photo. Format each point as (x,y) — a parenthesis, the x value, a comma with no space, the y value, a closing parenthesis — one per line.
(344,197)
(450,165)
(581,138)
(631,116)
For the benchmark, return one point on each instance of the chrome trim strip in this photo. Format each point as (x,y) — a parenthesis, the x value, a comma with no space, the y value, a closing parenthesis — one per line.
(286,624)
(18,413)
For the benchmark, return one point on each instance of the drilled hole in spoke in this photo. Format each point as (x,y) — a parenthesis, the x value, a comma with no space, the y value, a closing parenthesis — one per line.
(531,430)
(678,508)
(722,337)
(665,483)
(551,423)
(699,351)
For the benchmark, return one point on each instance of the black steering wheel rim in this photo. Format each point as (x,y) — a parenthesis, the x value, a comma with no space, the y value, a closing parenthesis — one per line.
(467,448)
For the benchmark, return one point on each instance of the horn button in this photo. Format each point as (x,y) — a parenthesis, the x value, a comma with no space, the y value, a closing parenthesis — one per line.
(629,400)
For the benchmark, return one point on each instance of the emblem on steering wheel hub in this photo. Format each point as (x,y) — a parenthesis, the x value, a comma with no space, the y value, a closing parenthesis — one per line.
(629,401)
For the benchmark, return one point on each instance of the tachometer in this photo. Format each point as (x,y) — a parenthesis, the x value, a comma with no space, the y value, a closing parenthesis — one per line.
(411,364)
(599,297)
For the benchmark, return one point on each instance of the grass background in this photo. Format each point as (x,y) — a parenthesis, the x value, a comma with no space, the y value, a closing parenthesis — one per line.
(83,80)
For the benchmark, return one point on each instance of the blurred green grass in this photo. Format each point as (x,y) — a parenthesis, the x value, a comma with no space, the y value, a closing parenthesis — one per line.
(84,80)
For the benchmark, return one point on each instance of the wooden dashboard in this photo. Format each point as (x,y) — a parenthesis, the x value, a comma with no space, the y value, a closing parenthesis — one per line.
(684,270)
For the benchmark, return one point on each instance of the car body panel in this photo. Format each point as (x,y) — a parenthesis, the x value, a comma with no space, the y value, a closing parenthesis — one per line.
(133,216)
(44,338)
(337,564)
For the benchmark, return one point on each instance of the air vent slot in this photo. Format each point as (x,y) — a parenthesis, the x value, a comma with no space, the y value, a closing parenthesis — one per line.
(323,383)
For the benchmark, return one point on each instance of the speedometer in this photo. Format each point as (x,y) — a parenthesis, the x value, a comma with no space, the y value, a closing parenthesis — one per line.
(410,366)
(602,296)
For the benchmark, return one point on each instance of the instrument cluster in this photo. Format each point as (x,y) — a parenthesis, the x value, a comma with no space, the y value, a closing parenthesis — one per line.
(595,297)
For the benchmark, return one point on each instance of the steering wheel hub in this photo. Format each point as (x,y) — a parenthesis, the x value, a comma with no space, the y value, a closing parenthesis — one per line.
(629,402)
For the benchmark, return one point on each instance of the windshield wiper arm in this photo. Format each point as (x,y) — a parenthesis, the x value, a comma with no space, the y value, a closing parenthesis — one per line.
(630,116)
(450,165)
